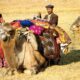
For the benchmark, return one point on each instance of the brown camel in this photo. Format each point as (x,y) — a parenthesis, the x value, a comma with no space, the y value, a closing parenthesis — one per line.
(20,51)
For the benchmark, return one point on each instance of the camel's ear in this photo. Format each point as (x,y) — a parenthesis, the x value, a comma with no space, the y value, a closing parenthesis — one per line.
(7,27)
(11,31)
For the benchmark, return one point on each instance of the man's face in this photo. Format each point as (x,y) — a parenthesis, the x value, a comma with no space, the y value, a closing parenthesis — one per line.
(50,10)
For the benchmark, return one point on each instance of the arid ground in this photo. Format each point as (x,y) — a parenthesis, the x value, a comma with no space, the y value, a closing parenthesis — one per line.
(68,11)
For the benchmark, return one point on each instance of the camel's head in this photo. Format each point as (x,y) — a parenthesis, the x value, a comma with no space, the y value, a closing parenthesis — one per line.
(6,31)
(29,37)
(76,25)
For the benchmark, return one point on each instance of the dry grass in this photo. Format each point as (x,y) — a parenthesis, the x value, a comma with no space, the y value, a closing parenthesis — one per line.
(68,69)
(68,11)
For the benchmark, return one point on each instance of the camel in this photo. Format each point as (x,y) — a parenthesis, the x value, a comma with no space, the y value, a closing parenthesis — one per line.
(21,51)
(75,27)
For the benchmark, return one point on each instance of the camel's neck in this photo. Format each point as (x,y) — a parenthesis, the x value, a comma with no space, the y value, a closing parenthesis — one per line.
(8,45)
(9,53)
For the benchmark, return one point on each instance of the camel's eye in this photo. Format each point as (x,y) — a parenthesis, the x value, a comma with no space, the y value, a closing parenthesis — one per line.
(77,26)
(11,32)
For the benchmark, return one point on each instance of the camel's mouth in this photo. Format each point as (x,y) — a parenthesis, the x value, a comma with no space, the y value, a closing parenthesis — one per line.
(5,39)
(4,36)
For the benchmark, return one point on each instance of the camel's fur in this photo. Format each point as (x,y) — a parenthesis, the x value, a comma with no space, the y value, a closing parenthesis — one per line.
(20,52)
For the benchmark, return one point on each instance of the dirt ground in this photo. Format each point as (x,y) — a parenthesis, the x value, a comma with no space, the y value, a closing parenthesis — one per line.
(68,11)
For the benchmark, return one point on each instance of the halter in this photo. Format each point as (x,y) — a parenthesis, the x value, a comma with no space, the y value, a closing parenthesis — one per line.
(23,33)
(27,34)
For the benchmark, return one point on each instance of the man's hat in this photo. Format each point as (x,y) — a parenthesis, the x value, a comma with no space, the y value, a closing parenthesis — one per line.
(50,6)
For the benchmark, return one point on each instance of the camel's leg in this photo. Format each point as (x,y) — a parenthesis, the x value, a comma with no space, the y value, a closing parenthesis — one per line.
(30,61)
(40,58)
(31,71)
(11,71)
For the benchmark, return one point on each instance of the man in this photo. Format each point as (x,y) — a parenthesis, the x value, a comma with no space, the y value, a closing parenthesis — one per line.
(1,19)
(2,60)
(51,17)
(53,53)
